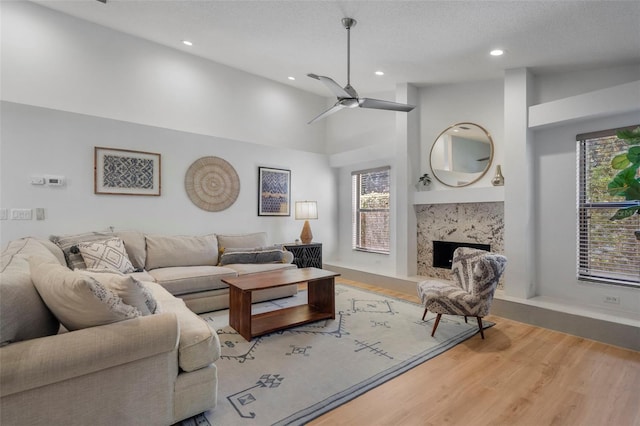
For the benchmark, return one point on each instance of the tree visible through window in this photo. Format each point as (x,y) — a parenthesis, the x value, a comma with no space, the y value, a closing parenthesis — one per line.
(607,249)
(370,191)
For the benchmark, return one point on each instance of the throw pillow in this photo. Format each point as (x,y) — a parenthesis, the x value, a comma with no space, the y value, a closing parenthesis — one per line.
(132,291)
(271,254)
(107,254)
(69,246)
(77,300)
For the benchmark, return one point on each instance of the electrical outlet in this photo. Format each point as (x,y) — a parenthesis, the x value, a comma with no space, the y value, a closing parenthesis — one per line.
(4,214)
(21,214)
(39,213)
(611,299)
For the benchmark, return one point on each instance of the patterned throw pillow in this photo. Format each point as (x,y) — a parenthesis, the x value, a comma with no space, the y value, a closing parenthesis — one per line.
(69,245)
(132,291)
(77,300)
(107,254)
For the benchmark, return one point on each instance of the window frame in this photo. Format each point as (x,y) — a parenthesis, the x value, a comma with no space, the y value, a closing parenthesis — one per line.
(356,226)
(584,204)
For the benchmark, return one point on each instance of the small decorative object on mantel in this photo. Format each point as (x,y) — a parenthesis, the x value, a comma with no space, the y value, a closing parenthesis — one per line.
(498,179)
(424,182)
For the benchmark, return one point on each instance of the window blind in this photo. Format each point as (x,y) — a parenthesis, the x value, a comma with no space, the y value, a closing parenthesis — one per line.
(607,249)
(370,212)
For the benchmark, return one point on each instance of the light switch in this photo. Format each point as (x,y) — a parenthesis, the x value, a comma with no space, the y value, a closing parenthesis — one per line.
(21,214)
(39,213)
(37,180)
(4,214)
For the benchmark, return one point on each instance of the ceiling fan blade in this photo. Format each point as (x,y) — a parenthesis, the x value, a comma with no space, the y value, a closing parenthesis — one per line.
(332,85)
(338,106)
(388,105)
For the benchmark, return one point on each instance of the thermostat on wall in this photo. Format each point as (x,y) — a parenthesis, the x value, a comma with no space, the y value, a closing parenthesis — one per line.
(54,180)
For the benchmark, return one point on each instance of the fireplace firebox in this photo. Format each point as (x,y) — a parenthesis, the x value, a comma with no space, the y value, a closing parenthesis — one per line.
(443,252)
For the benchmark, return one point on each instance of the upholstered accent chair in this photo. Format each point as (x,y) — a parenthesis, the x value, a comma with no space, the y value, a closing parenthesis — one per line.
(475,276)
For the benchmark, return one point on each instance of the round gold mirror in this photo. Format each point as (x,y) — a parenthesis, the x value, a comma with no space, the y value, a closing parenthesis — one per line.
(461,154)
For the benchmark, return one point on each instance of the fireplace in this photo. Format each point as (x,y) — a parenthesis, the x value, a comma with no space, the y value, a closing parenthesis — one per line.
(475,223)
(443,252)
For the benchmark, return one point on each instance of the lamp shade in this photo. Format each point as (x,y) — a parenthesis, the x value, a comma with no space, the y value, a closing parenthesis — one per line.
(306,210)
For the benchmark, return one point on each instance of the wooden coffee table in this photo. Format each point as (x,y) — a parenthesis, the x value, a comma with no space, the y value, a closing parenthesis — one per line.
(320,300)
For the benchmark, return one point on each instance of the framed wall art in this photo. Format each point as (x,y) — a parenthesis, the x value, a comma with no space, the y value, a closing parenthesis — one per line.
(274,192)
(126,172)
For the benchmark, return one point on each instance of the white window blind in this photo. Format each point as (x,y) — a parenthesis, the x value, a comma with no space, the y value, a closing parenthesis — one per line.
(370,212)
(607,249)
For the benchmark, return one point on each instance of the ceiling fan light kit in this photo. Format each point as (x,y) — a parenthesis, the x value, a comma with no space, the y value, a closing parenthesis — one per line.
(347,95)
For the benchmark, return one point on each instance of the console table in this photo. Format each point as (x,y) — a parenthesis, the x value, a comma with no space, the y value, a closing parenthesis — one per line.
(306,255)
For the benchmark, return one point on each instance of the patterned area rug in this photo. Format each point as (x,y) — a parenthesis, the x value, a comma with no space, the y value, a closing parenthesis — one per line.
(293,376)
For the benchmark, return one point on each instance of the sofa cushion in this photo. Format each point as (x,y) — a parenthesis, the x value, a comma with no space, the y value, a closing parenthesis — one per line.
(272,254)
(165,251)
(77,300)
(135,245)
(199,345)
(131,291)
(189,279)
(107,254)
(256,239)
(23,314)
(69,245)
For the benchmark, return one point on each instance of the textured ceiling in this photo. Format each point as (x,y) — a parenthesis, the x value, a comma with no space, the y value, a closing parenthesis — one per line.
(420,42)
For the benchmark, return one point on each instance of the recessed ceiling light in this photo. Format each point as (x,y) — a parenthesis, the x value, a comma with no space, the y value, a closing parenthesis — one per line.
(379,73)
(497,52)
(291,78)
(187,43)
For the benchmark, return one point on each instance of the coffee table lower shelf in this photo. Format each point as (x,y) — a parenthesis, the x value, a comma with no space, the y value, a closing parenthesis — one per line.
(269,322)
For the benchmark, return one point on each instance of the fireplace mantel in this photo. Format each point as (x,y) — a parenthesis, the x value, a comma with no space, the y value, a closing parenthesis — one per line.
(485,194)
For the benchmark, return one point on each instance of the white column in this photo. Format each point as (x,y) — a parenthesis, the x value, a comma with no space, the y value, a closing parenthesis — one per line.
(518,170)
(407,167)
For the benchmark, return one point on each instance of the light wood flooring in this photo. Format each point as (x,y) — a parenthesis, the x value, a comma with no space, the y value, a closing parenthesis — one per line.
(518,375)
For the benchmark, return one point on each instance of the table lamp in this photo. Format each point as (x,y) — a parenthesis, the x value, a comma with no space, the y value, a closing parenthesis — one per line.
(306,210)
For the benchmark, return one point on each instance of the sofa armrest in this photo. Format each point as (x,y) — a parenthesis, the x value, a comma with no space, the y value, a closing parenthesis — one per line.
(39,362)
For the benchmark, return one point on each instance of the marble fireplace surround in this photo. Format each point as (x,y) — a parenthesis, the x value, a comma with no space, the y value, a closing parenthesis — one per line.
(477,222)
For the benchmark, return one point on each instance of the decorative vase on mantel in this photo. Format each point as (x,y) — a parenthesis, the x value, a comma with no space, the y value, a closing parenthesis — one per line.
(498,179)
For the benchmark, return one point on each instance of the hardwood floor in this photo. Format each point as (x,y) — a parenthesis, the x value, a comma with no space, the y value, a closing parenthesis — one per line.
(518,375)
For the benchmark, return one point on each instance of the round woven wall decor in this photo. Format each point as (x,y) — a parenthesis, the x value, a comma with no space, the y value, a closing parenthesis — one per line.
(212,184)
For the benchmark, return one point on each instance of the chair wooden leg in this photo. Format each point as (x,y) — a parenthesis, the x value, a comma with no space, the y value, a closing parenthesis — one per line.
(480,326)
(425,314)
(435,324)
(465,319)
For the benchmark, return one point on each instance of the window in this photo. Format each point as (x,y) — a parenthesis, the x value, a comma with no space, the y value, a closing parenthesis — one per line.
(370,191)
(607,249)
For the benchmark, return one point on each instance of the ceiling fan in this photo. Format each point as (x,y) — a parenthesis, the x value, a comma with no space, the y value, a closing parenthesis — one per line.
(347,95)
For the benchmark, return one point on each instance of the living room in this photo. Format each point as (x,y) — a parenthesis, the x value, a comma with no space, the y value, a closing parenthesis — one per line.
(69,85)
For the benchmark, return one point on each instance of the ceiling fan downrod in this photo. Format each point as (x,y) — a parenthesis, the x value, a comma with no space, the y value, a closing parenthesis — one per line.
(349,23)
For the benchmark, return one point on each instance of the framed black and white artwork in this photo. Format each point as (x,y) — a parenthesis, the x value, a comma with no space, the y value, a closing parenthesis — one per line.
(126,172)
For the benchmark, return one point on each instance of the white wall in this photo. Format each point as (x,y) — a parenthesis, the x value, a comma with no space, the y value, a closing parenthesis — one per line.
(556,221)
(52,60)
(479,102)
(38,141)
(69,85)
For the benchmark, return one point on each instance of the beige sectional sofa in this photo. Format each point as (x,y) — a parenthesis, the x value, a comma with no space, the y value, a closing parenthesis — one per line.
(151,368)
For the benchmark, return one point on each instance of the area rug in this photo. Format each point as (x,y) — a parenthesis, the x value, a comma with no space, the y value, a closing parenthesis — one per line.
(293,376)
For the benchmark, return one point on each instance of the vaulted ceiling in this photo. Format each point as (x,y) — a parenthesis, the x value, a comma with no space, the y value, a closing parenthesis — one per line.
(420,42)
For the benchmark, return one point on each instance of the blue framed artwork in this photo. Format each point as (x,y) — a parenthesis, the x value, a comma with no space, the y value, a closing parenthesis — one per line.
(274,192)
(126,172)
